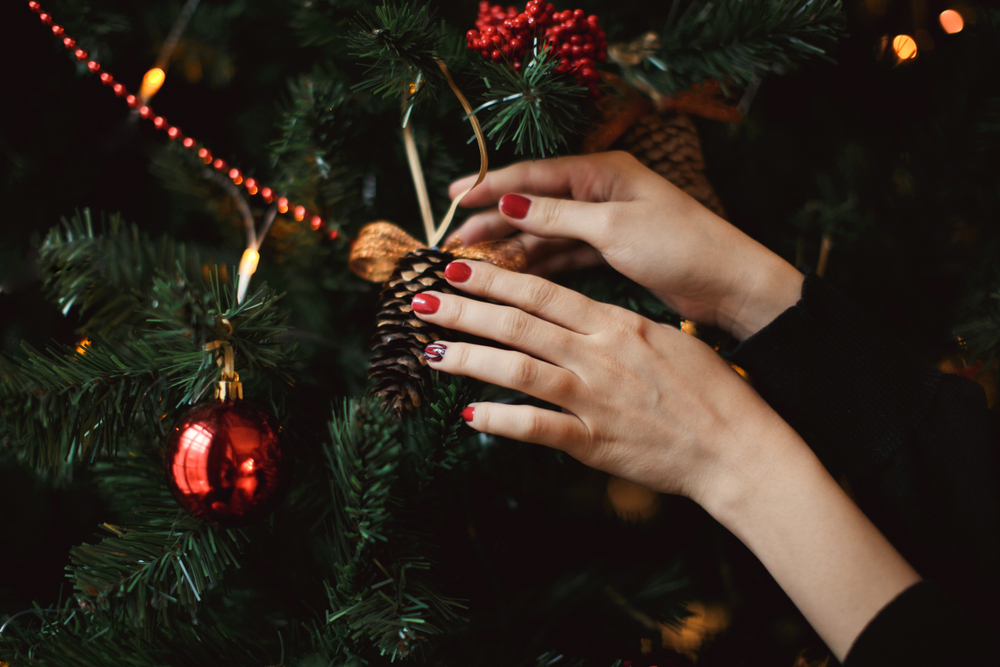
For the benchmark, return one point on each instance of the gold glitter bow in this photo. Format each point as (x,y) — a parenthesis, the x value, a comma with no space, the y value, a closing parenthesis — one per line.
(380,245)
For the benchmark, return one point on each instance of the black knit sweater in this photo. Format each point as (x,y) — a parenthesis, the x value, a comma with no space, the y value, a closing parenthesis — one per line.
(919,452)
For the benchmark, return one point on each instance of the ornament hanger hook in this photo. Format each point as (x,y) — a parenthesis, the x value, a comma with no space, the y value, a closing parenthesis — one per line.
(229,387)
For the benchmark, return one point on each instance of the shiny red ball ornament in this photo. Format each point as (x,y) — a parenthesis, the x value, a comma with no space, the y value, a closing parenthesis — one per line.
(225,464)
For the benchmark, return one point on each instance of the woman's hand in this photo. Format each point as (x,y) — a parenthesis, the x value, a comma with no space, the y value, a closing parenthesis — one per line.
(640,400)
(573,211)
(660,408)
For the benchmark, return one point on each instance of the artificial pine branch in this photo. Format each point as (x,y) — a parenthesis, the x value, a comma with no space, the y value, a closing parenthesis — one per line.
(383,597)
(71,638)
(65,406)
(734,41)
(321,117)
(433,435)
(536,109)
(104,274)
(163,558)
(402,43)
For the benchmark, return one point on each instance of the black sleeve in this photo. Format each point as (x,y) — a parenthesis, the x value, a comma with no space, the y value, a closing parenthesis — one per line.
(915,445)
(922,626)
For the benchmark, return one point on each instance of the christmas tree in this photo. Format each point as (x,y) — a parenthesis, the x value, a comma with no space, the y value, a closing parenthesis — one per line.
(208,352)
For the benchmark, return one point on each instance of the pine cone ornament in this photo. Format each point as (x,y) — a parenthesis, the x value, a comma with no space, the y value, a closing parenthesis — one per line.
(668,143)
(397,366)
(385,253)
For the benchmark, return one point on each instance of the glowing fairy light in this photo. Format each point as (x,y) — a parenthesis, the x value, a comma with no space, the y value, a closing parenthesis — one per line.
(248,265)
(151,83)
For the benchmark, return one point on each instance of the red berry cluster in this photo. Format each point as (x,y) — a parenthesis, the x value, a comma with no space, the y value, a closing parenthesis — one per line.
(576,39)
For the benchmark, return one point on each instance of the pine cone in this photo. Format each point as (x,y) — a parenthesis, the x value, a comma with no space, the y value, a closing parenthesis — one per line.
(397,365)
(668,144)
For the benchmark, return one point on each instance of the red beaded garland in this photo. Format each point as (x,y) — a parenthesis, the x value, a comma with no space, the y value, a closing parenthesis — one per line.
(576,39)
(225,463)
(158,121)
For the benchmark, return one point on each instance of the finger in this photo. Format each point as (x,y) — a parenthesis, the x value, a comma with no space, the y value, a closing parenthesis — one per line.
(615,176)
(489,225)
(527,423)
(556,307)
(505,368)
(583,257)
(510,326)
(594,223)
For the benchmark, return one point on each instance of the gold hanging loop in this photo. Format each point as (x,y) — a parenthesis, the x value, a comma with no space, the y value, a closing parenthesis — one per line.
(229,388)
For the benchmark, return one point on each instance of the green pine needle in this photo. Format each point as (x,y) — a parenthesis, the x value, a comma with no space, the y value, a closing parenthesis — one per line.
(535,109)
(402,43)
(735,41)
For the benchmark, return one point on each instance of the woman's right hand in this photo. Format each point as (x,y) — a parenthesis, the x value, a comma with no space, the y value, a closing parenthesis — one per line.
(643,226)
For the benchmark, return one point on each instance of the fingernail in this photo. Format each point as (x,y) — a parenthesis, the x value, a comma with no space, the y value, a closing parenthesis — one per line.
(425,304)
(514,206)
(457,272)
(435,352)
(468,413)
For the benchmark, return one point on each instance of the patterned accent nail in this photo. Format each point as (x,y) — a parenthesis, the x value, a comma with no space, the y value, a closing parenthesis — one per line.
(468,413)
(426,304)
(435,351)
(457,272)
(515,206)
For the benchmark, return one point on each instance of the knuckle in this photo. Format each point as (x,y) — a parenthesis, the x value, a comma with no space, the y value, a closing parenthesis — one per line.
(522,372)
(536,427)
(553,211)
(621,159)
(514,327)
(541,293)
(462,357)
(564,385)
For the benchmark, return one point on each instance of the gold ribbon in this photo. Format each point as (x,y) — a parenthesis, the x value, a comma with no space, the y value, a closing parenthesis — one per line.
(380,245)
(436,232)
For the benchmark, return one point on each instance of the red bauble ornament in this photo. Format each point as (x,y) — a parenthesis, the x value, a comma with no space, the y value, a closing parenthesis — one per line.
(225,463)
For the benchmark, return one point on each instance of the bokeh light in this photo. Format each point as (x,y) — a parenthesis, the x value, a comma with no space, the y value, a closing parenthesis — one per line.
(951,21)
(905,47)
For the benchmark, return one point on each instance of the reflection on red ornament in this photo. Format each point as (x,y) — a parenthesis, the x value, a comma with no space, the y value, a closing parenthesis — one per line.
(225,463)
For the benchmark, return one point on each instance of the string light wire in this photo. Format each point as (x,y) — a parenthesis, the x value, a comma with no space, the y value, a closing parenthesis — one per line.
(226,173)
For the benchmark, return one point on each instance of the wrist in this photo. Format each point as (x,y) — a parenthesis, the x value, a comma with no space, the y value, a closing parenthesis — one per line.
(761,294)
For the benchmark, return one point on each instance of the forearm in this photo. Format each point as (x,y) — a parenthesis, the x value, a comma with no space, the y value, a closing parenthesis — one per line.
(833,563)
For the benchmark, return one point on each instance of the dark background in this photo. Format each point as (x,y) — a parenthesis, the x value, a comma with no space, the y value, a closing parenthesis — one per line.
(904,142)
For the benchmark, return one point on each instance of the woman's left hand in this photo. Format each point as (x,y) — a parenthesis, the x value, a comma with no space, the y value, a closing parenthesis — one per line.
(639,399)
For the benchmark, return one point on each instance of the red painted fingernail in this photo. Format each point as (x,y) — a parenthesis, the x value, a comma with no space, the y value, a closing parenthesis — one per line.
(426,304)
(435,351)
(468,413)
(515,206)
(457,272)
